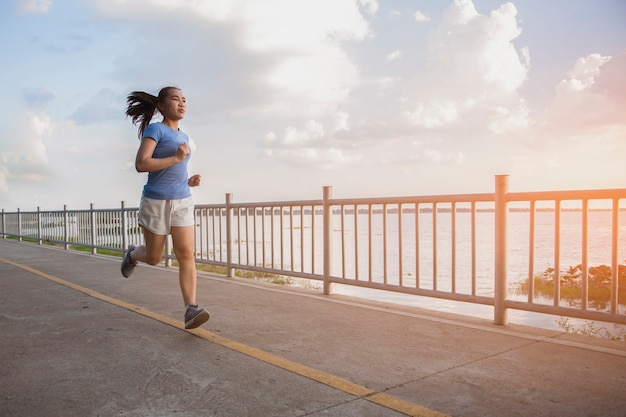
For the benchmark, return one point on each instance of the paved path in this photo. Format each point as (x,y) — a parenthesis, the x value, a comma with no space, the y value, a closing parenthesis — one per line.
(78,339)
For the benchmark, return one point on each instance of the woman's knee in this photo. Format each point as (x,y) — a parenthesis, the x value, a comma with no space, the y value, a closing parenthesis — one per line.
(185,254)
(153,259)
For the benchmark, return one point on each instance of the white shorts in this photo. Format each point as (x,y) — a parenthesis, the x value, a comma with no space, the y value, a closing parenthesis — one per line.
(158,216)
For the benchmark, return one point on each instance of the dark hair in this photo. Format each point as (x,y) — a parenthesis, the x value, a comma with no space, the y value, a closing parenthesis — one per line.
(141,106)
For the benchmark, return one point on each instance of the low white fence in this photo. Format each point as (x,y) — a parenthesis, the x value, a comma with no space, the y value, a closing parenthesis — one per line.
(547,252)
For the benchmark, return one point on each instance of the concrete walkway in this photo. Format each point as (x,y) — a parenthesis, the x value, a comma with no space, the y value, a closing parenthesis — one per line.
(79,339)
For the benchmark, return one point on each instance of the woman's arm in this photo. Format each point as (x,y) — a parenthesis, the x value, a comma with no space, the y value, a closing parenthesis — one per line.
(144,162)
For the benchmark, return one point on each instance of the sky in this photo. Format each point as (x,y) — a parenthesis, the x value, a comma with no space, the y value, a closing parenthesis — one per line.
(374,98)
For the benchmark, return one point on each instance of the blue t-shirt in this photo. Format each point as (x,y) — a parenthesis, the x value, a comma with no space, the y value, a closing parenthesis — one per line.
(169,183)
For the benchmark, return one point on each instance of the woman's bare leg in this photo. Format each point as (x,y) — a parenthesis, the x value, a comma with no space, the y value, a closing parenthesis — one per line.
(183,241)
(152,252)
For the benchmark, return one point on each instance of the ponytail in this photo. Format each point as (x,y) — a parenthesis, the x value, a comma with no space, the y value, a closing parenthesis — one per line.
(142,106)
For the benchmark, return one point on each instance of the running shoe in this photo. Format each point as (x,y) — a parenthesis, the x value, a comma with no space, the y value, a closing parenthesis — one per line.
(128,264)
(195,316)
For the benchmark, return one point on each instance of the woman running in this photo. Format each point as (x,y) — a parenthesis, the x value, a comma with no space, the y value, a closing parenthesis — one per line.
(166,205)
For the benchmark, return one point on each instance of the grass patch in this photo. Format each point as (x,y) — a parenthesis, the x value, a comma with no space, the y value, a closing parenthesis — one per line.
(109,252)
(214,269)
(590,328)
(241,273)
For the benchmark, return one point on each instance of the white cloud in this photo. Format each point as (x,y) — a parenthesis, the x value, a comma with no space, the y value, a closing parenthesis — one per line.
(37,98)
(474,70)
(582,135)
(421,17)
(105,105)
(584,73)
(433,155)
(341,119)
(319,76)
(394,55)
(370,5)
(297,26)
(584,129)
(295,138)
(26,158)
(435,113)
(32,6)
(290,52)
(313,75)
(592,96)
(436,156)
(384,84)
(506,119)
(311,146)
(312,158)
(472,79)
(471,48)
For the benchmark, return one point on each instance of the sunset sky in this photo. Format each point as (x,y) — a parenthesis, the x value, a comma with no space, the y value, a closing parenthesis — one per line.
(376,98)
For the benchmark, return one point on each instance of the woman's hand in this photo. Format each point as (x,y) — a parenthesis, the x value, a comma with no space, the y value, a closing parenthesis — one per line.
(182,152)
(144,162)
(194,180)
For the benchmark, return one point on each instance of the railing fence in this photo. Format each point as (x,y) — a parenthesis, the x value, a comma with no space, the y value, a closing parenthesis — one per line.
(475,248)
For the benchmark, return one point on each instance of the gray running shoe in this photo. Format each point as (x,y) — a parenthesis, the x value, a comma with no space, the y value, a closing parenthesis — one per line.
(195,316)
(128,264)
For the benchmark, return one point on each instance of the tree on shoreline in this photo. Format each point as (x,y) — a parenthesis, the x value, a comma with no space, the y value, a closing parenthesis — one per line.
(599,285)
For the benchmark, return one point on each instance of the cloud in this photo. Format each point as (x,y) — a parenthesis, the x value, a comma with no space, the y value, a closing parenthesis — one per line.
(23,153)
(67,44)
(37,98)
(281,60)
(32,6)
(279,84)
(25,159)
(435,156)
(610,80)
(421,17)
(591,98)
(470,83)
(505,119)
(312,146)
(473,70)
(468,48)
(583,131)
(316,158)
(272,58)
(582,134)
(341,120)
(436,113)
(394,55)
(105,105)
(370,5)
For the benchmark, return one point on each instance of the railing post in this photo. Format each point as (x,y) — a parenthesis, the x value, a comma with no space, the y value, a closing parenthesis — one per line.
(65,226)
(328,194)
(230,271)
(614,257)
(19,225)
(39,239)
(123,226)
(4,235)
(92,229)
(167,252)
(501,225)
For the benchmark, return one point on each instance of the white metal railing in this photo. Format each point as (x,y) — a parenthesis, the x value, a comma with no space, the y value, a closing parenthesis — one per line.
(111,229)
(475,248)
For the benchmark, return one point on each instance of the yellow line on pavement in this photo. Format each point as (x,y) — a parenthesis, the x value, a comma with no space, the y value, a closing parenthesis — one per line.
(385,400)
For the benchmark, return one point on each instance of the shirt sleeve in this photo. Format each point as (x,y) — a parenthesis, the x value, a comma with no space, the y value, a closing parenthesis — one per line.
(152,131)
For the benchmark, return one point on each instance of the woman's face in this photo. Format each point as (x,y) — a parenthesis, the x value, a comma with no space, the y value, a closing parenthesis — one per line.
(174,105)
